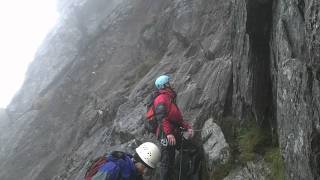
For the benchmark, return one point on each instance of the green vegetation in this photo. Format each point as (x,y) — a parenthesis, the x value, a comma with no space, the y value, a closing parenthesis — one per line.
(252,140)
(273,157)
(222,171)
(247,142)
(230,128)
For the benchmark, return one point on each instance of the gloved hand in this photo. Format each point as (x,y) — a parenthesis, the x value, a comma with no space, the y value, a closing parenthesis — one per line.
(171,139)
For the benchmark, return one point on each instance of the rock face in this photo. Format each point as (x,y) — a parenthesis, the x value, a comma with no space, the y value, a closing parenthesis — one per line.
(251,171)
(4,119)
(216,149)
(295,66)
(84,93)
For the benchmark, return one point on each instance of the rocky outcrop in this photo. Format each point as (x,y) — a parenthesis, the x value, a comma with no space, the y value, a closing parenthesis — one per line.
(3,125)
(84,93)
(216,149)
(295,67)
(251,171)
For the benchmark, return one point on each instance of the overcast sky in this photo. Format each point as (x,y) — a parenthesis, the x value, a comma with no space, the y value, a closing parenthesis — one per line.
(23,25)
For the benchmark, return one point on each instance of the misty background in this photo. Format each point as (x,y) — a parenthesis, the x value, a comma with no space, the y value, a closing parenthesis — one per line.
(24,24)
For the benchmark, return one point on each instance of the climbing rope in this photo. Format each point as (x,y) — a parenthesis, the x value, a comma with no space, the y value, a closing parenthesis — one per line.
(108,137)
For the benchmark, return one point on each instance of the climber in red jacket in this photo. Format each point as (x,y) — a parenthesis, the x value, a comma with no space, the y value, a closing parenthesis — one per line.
(170,122)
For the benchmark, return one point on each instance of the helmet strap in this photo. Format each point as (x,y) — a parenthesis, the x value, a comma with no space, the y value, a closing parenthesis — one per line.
(137,159)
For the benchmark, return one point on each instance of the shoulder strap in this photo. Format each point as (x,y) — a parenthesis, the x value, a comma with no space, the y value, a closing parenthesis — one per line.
(117,155)
(151,98)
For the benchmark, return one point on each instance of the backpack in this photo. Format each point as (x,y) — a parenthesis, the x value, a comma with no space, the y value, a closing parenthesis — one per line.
(95,166)
(117,165)
(151,123)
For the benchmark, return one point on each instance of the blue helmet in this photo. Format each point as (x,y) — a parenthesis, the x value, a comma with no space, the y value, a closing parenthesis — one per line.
(161,81)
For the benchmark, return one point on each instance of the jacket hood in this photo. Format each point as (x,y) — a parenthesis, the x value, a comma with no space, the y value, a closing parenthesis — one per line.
(169,92)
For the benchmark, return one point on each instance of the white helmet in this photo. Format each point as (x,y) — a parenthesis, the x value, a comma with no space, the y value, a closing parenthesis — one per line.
(149,153)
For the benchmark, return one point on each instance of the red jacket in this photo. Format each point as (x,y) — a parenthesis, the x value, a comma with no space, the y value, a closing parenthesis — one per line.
(168,113)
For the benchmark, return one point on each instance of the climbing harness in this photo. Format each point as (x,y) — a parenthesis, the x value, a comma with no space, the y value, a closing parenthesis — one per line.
(164,141)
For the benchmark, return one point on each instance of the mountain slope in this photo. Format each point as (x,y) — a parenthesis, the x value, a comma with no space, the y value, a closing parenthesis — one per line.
(85,91)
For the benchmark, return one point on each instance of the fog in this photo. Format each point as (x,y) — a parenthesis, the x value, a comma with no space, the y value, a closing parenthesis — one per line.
(23,26)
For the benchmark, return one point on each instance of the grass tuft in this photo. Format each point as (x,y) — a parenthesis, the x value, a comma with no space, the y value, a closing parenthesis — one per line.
(274,158)
(252,140)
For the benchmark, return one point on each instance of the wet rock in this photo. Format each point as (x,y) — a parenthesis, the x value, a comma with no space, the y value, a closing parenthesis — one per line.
(251,171)
(295,62)
(85,91)
(216,149)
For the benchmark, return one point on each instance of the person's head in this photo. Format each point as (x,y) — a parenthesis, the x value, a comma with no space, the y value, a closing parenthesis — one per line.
(146,157)
(162,82)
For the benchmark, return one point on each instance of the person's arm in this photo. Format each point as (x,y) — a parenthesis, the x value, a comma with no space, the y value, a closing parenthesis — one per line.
(166,125)
(185,125)
(162,111)
(162,117)
(167,129)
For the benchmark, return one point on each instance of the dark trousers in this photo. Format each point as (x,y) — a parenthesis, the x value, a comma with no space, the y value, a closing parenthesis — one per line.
(167,163)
